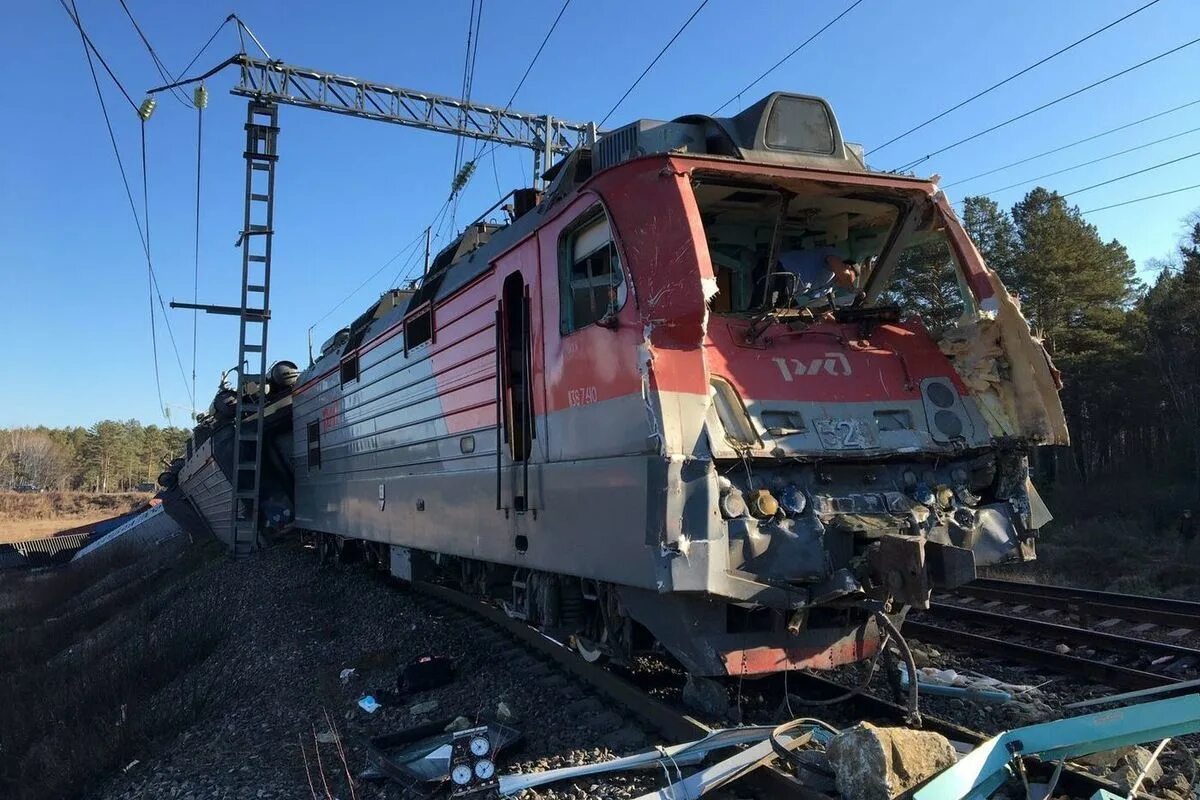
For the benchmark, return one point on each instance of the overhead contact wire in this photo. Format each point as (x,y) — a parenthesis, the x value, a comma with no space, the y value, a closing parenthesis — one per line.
(1132,174)
(788,57)
(650,66)
(1093,161)
(1012,77)
(1141,199)
(1044,106)
(163,72)
(1069,145)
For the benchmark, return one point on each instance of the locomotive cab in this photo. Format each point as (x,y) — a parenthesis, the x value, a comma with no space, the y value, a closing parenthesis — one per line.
(855,425)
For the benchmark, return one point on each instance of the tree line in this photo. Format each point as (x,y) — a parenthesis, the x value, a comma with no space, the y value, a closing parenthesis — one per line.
(109,456)
(1128,351)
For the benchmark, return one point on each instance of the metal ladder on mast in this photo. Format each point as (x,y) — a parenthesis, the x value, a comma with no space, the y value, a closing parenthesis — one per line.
(261,131)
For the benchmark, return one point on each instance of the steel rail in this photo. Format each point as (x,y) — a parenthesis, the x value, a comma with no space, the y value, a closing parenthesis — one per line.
(666,720)
(1112,675)
(1054,630)
(1039,592)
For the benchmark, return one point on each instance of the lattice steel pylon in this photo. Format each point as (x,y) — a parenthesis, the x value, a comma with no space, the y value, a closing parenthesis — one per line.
(261,133)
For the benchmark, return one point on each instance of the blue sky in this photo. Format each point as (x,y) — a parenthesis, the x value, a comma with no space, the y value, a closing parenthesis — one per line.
(73,287)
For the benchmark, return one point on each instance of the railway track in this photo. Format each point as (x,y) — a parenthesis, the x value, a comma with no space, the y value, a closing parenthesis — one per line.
(676,725)
(1179,618)
(1067,630)
(668,721)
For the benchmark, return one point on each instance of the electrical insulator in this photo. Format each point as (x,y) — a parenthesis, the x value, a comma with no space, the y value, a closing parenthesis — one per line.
(200,97)
(147,108)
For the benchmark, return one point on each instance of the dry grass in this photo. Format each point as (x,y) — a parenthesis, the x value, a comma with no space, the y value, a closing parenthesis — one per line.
(83,666)
(1121,537)
(33,515)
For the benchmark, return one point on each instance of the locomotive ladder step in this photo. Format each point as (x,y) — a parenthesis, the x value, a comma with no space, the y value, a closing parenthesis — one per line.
(257,259)
(255,287)
(252,348)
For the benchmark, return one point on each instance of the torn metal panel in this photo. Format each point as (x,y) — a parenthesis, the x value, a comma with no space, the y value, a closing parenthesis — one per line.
(678,755)
(734,767)
(989,766)
(994,351)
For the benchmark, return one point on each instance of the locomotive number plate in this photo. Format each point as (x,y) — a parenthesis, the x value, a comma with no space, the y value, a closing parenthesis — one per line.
(844,434)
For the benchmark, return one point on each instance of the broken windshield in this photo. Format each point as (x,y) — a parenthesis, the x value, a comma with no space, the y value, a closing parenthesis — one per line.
(773,247)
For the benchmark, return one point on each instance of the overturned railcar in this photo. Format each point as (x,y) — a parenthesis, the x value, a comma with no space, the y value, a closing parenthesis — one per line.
(686,397)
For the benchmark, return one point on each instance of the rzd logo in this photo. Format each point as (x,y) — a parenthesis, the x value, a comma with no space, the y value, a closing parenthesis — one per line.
(831,364)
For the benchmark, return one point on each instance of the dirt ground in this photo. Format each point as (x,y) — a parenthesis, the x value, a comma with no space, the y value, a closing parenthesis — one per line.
(33,515)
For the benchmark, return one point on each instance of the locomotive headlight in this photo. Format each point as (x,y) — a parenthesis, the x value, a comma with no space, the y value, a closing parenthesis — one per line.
(733,504)
(793,500)
(763,504)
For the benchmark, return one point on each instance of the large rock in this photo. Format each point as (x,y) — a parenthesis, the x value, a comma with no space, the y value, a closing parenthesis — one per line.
(872,763)
(1131,764)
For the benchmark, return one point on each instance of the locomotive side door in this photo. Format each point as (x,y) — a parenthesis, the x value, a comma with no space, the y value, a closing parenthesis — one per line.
(520,432)
(514,361)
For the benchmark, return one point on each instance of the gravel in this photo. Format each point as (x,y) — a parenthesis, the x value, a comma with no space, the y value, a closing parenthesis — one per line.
(272,688)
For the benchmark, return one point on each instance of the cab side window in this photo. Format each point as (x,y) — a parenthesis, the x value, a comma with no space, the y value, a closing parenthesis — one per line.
(591,282)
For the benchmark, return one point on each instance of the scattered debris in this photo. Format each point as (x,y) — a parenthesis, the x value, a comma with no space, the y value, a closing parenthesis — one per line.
(1138,767)
(458,724)
(873,763)
(423,708)
(782,741)
(345,675)
(1062,649)
(419,758)
(326,737)
(131,765)
(368,704)
(979,688)
(672,756)
(504,713)
(989,766)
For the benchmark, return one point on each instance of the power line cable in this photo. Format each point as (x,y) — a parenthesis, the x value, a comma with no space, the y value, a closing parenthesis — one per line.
(163,72)
(537,54)
(1140,199)
(1093,161)
(89,48)
(1043,106)
(650,66)
(200,52)
(528,69)
(1071,144)
(1131,174)
(196,246)
(1012,77)
(369,278)
(154,277)
(150,271)
(87,51)
(143,234)
(783,60)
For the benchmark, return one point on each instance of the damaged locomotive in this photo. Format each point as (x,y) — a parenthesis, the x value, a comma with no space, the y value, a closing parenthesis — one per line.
(684,399)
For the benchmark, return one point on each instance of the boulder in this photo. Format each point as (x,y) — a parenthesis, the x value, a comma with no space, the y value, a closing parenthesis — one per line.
(873,763)
(1131,764)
